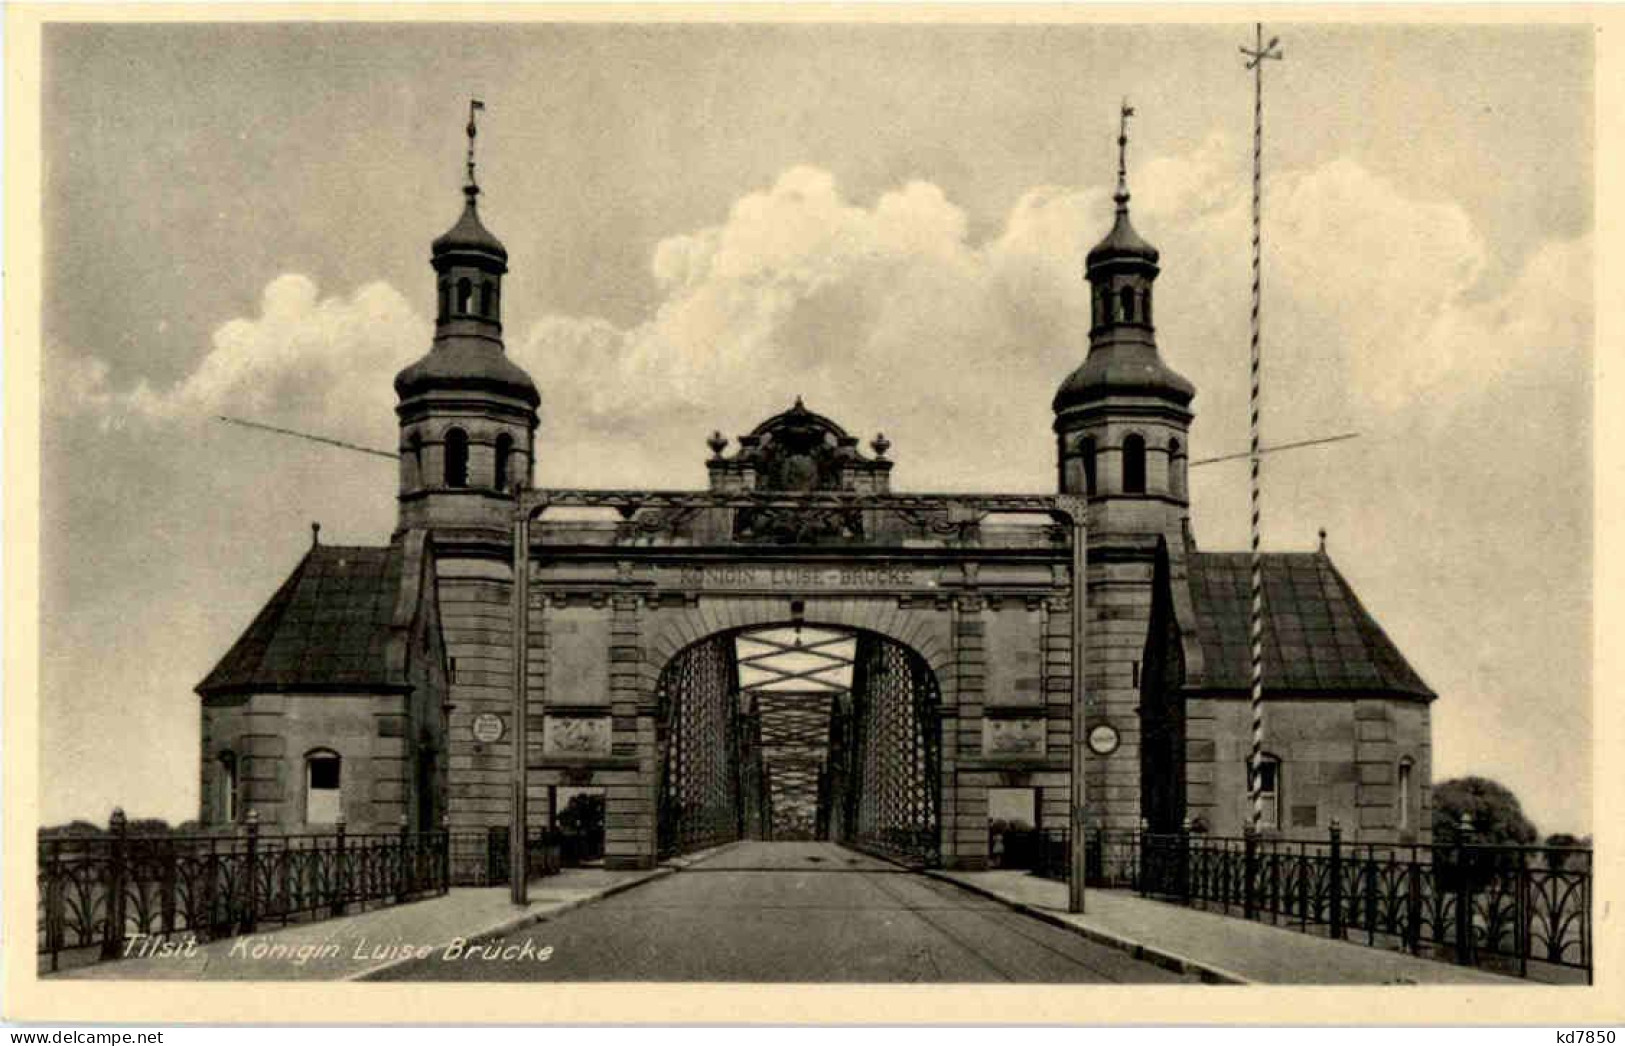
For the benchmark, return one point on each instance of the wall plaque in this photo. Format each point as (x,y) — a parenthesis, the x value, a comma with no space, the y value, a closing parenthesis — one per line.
(1013,737)
(577,736)
(488,727)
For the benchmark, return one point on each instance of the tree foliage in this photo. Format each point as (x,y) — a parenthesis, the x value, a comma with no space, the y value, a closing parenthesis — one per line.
(1496,815)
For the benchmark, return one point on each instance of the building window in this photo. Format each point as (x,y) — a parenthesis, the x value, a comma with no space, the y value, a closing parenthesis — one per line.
(445,299)
(1145,307)
(1176,469)
(504,459)
(456,458)
(1403,794)
(227,788)
(1126,297)
(1087,449)
(1134,464)
(415,444)
(487,301)
(323,794)
(465,296)
(1269,793)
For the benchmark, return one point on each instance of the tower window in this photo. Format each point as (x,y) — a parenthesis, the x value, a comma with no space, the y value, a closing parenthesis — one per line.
(227,790)
(1126,297)
(416,444)
(445,299)
(1134,464)
(323,794)
(1145,307)
(456,458)
(1087,449)
(487,300)
(1403,793)
(1102,306)
(504,457)
(465,296)
(1176,469)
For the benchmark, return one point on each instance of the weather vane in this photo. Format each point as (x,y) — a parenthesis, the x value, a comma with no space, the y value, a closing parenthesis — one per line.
(474,106)
(1122,151)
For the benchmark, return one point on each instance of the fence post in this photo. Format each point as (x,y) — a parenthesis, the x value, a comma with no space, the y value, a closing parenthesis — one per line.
(54,916)
(1464,893)
(113,931)
(251,870)
(445,853)
(1334,888)
(341,880)
(1413,903)
(1249,870)
(1184,870)
(1520,930)
(166,888)
(1142,846)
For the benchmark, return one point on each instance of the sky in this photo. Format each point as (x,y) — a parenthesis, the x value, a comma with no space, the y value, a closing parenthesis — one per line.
(705,221)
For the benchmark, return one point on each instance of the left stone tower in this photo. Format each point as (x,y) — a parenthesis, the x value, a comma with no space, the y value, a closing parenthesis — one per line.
(467,412)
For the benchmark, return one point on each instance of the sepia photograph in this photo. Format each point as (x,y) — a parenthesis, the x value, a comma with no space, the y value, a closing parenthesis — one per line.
(720,497)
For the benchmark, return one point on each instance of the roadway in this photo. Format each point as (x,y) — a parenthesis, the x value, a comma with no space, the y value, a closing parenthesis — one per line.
(784,912)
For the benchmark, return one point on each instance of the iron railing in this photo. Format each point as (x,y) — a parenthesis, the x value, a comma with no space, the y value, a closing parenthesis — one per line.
(1520,910)
(111,895)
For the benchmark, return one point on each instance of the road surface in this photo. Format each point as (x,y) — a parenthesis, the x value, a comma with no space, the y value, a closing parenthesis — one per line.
(778,912)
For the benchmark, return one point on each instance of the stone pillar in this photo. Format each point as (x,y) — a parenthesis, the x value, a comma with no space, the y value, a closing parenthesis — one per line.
(263,764)
(1374,761)
(965,831)
(631,800)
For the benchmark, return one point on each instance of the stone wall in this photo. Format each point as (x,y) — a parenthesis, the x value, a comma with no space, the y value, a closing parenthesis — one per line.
(1339,759)
(271,734)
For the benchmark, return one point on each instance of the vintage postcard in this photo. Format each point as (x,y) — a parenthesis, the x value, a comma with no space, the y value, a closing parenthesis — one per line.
(1004,513)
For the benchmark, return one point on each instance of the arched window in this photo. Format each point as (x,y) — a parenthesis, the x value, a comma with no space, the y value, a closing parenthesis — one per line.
(504,458)
(1134,464)
(445,299)
(1145,306)
(226,789)
(1176,469)
(1402,794)
(487,300)
(323,787)
(1102,306)
(1087,450)
(1126,296)
(465,296)
(456,458)
(1269,792)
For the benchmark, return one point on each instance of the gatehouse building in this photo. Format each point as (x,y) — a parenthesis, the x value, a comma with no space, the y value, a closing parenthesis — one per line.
(895,676)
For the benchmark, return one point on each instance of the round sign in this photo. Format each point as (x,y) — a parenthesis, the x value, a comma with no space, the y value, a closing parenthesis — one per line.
(488,727)
(1103,739)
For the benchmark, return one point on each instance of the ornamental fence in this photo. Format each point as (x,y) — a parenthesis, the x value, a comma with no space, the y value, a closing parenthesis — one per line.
(1518,910)
(109,895)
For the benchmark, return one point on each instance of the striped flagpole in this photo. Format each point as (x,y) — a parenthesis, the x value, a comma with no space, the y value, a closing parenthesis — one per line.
(1255,62)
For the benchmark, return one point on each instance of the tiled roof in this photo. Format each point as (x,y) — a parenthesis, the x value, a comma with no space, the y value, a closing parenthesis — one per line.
(1317,636)
(326,628)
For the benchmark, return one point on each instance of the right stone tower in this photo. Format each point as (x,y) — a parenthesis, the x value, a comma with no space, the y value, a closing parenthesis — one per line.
(1122,427)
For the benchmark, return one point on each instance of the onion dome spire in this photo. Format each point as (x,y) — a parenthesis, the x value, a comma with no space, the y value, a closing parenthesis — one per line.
(1121,269)
(469,263)
(469,235)
(1122,242)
